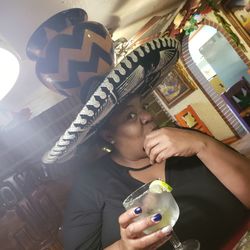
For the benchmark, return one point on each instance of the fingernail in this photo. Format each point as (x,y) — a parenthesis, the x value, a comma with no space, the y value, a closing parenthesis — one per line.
(137,210)
(167,230)
(156,217)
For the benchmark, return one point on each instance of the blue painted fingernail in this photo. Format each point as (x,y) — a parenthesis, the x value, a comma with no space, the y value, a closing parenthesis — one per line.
(137,210)
(156,218)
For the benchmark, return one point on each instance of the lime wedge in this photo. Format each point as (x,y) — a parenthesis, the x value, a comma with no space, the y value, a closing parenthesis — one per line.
(159,186)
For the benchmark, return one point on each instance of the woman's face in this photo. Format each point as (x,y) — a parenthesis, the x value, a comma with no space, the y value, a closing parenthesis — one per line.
(128,128)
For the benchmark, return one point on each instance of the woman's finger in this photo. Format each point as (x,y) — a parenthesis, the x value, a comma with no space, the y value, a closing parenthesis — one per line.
(161,242)
(136,229)
(153,139)
(163,155)
(127,217)
(151,239)
(150,144)
(155,151)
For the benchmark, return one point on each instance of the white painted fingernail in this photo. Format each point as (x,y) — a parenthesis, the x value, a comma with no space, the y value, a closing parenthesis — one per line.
(166,230)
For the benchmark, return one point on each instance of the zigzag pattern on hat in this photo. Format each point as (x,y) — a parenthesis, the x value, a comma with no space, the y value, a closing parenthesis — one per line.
(127,77)
(99,105)
(50,28)
(75,59)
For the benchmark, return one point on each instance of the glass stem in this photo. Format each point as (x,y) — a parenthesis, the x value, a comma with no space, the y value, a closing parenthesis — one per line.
(176,242)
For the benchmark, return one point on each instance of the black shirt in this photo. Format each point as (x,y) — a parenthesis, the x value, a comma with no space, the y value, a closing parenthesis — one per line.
(208,211)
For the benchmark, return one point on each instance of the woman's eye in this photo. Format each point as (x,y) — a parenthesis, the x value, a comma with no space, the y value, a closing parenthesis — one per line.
(145,106)
(131,116)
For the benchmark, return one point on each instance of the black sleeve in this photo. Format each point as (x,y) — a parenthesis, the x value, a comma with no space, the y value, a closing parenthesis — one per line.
(82,219)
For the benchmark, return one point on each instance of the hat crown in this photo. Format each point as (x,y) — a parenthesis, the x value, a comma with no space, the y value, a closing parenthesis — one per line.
(52,26)
(71,53)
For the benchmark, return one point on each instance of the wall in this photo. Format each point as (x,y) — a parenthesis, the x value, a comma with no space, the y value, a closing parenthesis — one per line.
(211,17)
(206,112)
(202,105)
(224,60)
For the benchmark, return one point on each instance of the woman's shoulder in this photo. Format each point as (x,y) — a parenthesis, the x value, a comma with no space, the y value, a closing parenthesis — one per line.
(92,173)
(182,170)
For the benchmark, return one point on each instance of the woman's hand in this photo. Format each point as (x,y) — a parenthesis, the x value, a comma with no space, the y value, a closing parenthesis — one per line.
(217,157)
(132,236)
(166,142)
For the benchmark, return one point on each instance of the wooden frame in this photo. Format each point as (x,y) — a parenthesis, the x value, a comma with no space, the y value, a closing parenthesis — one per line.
(175,87)
(235,11)
(189,118)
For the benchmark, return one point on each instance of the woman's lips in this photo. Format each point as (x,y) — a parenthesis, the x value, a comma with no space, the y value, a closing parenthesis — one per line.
(155,128)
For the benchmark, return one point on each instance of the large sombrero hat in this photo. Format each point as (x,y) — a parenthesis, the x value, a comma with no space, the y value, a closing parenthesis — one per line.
(137,73)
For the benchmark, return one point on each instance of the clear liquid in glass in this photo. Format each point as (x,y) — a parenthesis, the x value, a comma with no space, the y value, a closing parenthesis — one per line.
(153,203)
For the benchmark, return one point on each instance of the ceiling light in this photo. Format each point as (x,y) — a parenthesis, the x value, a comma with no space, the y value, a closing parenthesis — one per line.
(9,71)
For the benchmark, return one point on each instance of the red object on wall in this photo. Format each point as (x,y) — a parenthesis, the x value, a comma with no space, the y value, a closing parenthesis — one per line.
(188,118)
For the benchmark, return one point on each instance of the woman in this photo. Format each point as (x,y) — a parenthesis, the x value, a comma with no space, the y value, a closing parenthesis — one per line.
(210,181)
(210,184)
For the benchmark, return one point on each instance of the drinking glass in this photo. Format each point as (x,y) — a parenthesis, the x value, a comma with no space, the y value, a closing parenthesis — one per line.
(163,203)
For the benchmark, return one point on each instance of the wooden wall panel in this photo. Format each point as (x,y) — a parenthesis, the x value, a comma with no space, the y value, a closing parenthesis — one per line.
(31,211)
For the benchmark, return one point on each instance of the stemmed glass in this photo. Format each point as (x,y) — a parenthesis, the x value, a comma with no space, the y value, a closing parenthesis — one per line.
(161,201)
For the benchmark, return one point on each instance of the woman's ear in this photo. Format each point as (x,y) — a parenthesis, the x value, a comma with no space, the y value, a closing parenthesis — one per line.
(106,135)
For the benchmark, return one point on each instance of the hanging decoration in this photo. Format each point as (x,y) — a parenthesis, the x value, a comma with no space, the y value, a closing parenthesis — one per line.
(211,5)
(183,19)
(193,15)
(193,23)
(227,28)
(206,7)
(206,10)
(190,26)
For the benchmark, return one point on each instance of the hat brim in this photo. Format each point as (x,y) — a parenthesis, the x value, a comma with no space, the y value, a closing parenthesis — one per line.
(139,72)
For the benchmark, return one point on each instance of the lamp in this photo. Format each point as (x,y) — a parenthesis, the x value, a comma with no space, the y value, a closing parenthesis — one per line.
(10,67)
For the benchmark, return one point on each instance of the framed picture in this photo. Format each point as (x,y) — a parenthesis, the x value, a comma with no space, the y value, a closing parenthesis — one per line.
(175,87)
(238,13)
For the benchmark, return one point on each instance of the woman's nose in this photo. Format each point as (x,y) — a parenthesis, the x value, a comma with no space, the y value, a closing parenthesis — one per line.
(146,117)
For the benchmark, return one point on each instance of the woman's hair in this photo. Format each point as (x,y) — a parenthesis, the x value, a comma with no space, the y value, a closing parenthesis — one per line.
(96,146)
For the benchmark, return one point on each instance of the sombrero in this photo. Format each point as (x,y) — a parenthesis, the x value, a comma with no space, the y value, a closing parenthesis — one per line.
(137,73)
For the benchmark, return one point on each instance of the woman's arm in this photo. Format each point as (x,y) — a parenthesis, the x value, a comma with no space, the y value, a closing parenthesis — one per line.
(230,167)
